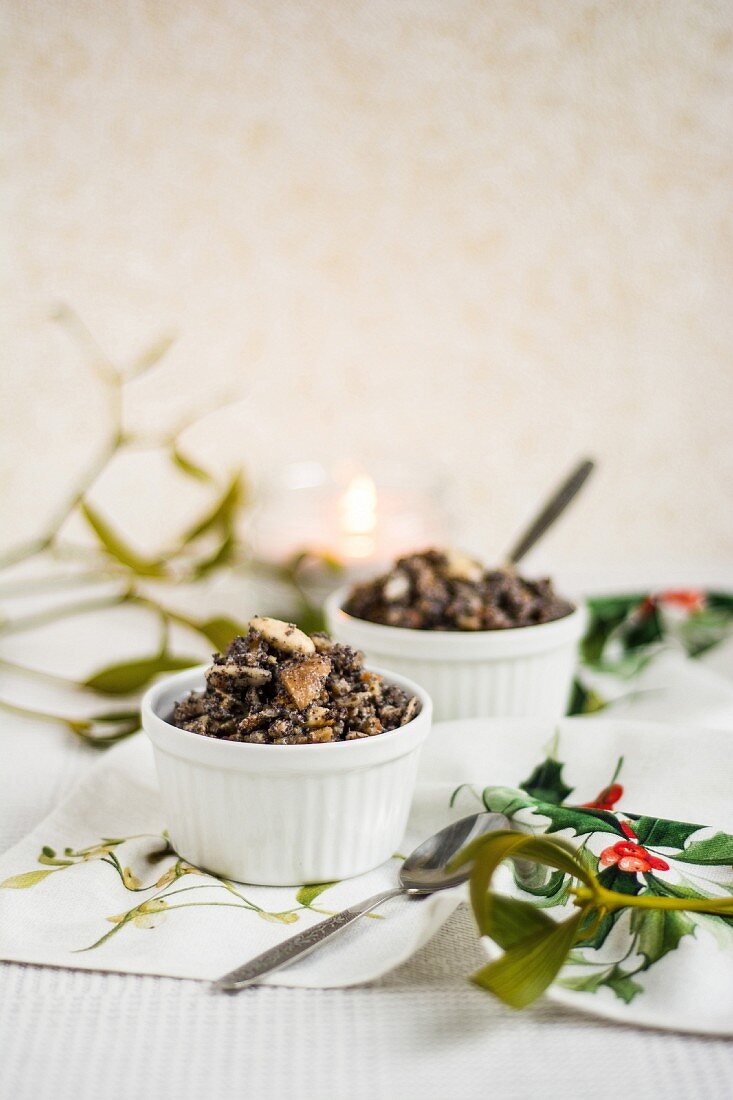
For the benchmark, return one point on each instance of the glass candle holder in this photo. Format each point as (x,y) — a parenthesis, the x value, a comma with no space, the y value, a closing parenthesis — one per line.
(359,519)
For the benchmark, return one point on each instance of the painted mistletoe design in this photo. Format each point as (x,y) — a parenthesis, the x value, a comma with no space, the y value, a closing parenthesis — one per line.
(173,886)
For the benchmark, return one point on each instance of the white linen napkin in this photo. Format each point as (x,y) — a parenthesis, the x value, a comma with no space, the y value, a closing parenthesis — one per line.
(97,869)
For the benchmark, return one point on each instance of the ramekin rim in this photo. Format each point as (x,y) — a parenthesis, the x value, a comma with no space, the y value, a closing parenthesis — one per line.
(148,712)
(335,600)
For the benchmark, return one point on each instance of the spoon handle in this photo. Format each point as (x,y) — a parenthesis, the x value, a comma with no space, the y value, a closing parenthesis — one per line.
(554,508)
(299,945)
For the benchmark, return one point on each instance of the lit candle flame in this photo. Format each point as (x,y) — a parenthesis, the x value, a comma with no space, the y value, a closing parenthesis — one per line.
(358,516)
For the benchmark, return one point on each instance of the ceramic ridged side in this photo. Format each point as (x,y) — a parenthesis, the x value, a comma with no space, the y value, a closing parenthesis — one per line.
(283,815)
(516,673)
(512,688)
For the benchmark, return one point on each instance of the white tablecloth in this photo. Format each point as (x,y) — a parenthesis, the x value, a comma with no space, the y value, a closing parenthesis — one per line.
(421,1032)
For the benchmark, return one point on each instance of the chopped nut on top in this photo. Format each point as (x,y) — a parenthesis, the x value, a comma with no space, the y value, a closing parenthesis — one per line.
(303,680)
(277,686)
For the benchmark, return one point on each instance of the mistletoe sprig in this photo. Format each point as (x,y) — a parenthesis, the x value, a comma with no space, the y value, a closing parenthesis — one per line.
(535,946)
(210,542)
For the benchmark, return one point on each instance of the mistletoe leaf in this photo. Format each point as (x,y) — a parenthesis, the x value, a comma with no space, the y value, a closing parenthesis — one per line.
(221,514)
(117,548)
(525,971)
(129,676)
(150,357)
(308,894)
(221,555)
(188,467)
(278,918)
(221,631)
(509,921)
(536,948)
(26,880)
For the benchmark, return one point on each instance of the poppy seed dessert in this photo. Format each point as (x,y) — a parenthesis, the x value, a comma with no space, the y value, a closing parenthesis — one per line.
(446,590)
(276,685)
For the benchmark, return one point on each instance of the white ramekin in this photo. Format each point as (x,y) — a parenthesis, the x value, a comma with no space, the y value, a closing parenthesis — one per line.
(517,673)
(283,815)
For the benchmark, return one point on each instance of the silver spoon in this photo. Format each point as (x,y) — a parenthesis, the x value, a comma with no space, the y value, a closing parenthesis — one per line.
(424,872)
(551,511)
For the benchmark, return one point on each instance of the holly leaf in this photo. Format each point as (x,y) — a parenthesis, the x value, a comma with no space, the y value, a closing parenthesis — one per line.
(703,630)
(546,782)
(614,607)
(308,894)
(606,615)
(580,821)
(623,985)
(659,931)
(535,880)
(584,983)
(722,600)
(602,931)
(717,849)
(584,700)
(117,548)
(663,889)
(656,832)
(623,882)
(129,676)
(510,801)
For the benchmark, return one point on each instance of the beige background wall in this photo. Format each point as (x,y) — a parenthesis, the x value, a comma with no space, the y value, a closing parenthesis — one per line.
(483,238)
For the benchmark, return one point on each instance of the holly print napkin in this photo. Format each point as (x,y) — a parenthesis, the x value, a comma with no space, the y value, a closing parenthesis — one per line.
(665,655)
(631,854)
(98,886)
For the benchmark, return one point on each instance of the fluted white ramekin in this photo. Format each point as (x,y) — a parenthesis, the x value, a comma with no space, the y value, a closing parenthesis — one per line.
(522,672)
(283,815)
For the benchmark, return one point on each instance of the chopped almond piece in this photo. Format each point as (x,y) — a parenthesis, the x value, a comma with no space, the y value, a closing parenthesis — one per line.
(303,680)
(323,733)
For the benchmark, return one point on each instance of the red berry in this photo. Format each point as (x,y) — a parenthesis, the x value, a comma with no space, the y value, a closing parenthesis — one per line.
(690,599)
(633,864)
(626,848)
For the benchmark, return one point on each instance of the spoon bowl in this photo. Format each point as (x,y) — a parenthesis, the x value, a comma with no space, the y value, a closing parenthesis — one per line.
(426,869)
